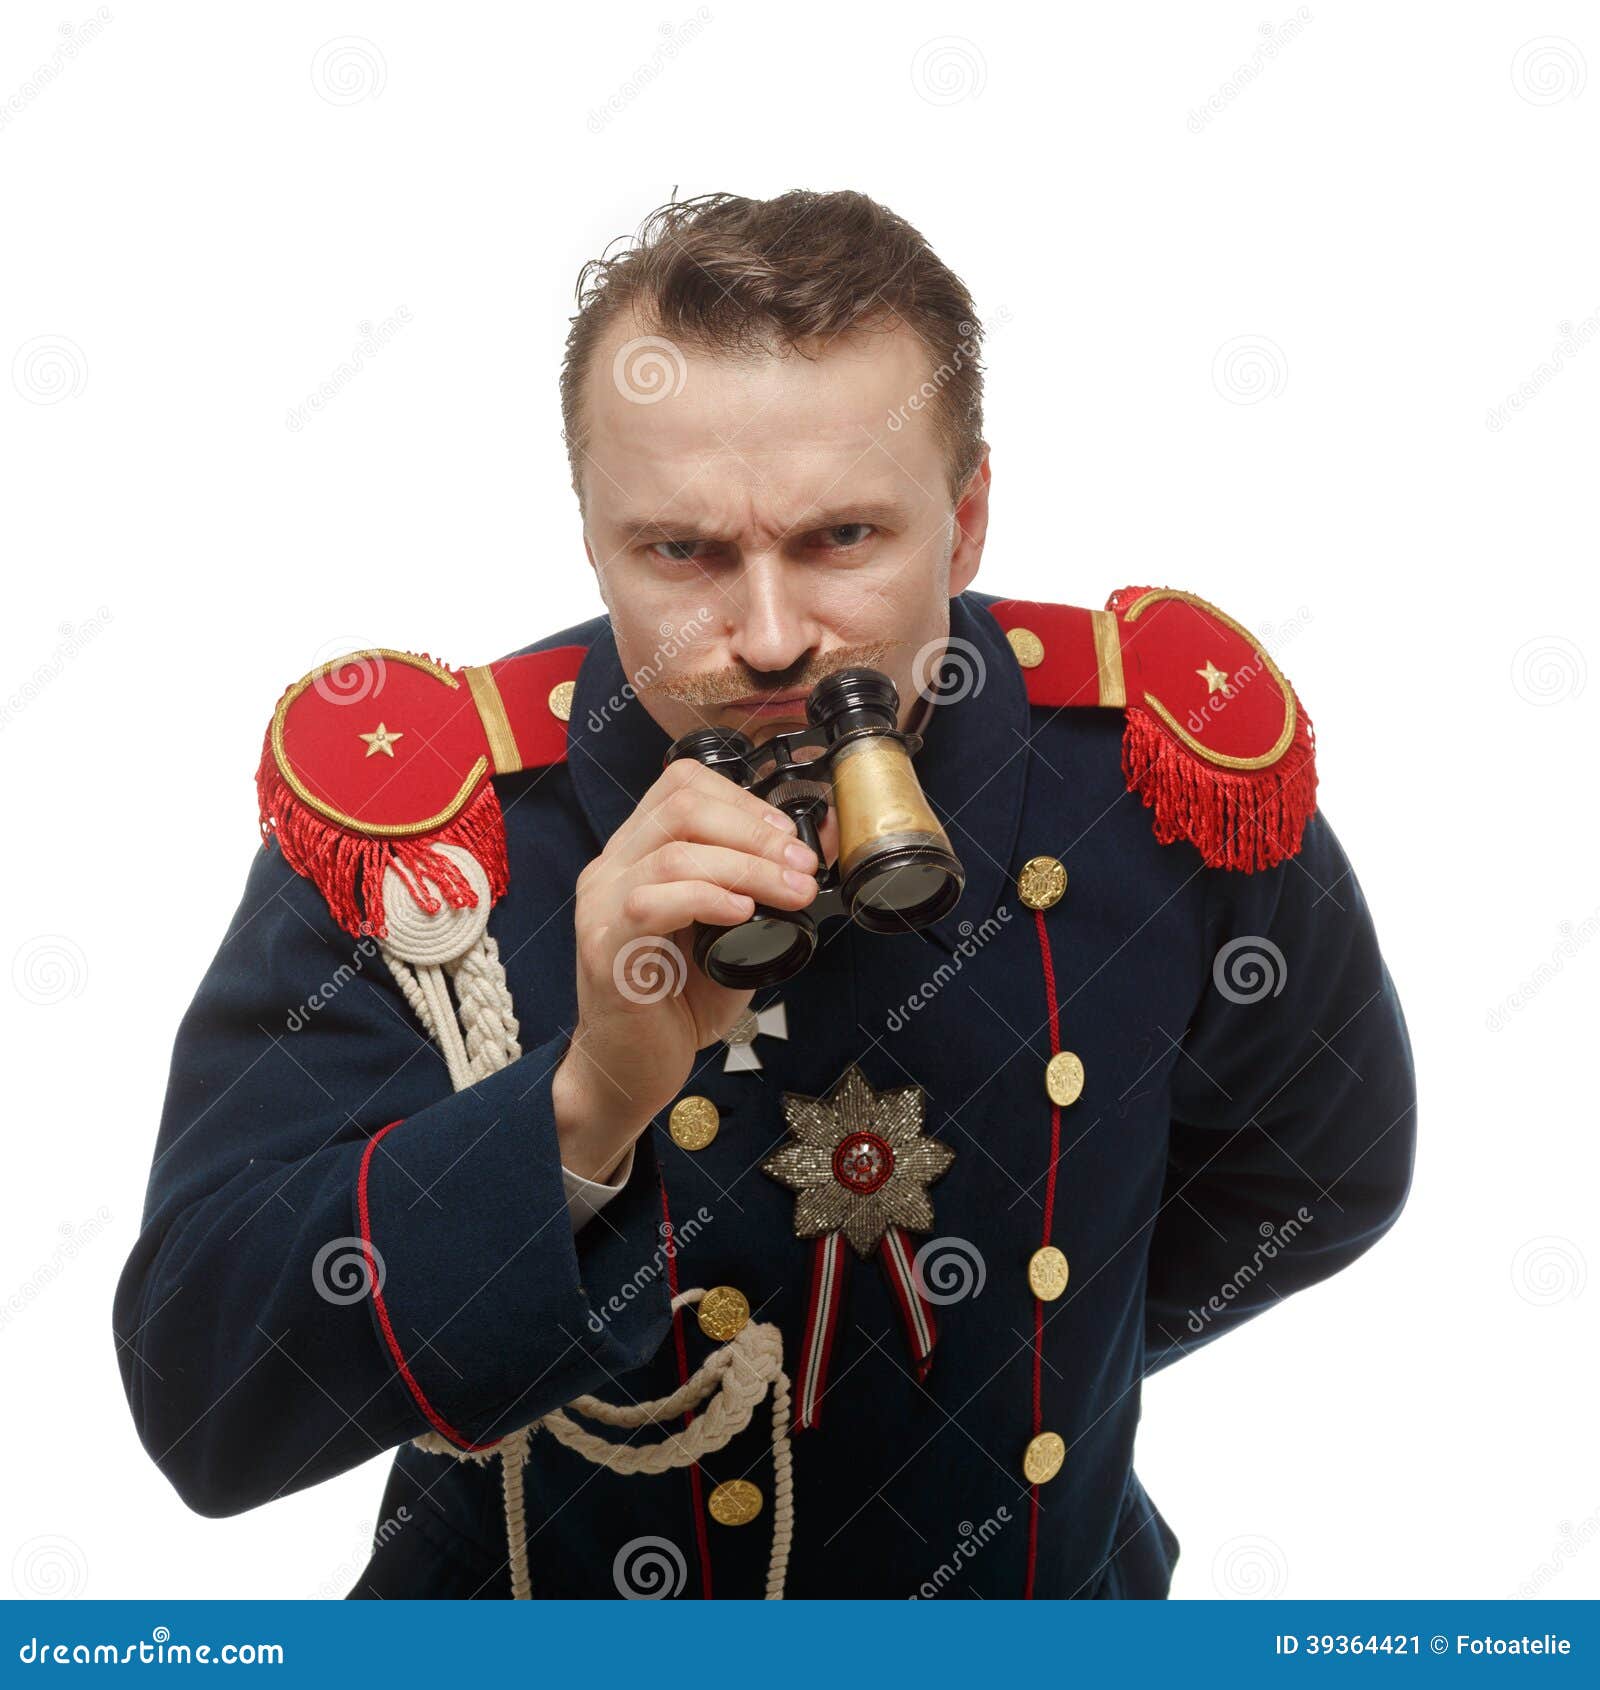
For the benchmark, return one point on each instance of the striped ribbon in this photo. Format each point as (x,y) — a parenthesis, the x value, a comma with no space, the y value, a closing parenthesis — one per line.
(829,1267)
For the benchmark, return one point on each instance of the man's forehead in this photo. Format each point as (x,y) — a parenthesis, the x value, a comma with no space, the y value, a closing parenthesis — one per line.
(842,418)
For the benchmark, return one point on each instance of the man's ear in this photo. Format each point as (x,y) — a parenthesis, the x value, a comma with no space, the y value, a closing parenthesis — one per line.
(972,525)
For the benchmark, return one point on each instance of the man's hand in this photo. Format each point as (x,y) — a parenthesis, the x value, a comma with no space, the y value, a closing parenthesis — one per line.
(697,848)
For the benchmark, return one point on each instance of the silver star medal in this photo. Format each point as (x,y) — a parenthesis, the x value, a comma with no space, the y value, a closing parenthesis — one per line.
(858,1161)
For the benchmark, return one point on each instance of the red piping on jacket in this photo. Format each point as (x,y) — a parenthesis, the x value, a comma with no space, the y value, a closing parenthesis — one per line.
(435,1419)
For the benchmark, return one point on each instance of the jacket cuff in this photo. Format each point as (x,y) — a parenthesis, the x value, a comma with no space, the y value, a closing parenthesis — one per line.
(587,1197)
(489,1309)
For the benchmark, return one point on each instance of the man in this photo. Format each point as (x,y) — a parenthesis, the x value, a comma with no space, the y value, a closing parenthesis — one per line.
(850,1282)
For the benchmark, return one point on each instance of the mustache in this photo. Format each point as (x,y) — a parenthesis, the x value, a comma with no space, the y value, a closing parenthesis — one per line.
(710,687)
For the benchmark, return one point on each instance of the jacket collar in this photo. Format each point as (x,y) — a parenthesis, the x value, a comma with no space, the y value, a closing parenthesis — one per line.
(972,765)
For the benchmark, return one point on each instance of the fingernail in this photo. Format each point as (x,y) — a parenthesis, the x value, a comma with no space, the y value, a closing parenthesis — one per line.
(777,819)
(800,856)
(800,882)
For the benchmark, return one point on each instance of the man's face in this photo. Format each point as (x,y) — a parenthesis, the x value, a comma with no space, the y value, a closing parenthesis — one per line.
(763,523)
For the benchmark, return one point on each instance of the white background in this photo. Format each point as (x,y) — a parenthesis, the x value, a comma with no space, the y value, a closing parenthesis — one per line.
(1393,212)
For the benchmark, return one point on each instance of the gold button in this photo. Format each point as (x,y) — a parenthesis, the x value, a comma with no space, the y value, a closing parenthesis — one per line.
(1027,645)
(1041,882)
(1042,1459)
(1047,1273)
(561,700)
(724,1313)
(693,1122)
(1063,1078)
(735,1502)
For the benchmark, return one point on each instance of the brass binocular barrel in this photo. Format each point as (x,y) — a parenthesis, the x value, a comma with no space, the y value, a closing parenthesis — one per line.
(895,870)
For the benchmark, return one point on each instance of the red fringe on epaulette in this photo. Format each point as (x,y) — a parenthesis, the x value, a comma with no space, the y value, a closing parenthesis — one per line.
(348,868)
(1236,818)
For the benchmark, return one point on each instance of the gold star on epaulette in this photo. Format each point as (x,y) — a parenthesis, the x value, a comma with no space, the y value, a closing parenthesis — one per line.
(382,741)
(1216,679)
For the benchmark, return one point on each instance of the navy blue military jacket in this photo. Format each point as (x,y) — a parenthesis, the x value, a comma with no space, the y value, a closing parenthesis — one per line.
(1209,1121)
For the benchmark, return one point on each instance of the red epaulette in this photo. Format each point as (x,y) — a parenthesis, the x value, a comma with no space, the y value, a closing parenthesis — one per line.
(1216,743)
(379,757)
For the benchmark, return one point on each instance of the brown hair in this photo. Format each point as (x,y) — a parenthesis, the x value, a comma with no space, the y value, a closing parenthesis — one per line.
(723,273)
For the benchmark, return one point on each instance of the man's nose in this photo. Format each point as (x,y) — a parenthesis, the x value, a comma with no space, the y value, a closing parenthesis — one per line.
(772,628)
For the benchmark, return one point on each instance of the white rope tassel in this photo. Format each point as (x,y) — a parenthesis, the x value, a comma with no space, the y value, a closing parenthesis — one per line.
(478,1036)
(487,1017)
(484,1015)
(513,1457)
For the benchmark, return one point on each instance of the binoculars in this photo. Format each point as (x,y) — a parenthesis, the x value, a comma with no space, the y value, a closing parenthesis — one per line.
(895,870)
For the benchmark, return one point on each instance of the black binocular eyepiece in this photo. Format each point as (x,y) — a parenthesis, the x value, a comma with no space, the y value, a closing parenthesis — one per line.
(895,870)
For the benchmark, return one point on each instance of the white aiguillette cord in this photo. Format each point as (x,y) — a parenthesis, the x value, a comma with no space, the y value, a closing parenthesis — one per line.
(478,1036)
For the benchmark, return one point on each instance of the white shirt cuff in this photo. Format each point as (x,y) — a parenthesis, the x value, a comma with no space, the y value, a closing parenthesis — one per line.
(587,1197)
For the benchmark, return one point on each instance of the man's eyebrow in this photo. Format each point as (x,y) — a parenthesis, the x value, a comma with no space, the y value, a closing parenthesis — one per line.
(880,513)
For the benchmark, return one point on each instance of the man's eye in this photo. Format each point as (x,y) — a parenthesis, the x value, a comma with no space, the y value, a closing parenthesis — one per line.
(845,535)
(676,551)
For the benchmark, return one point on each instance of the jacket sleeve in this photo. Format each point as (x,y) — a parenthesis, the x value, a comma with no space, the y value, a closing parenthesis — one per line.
(337,1251)
(587,1197)
(1293,1102)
